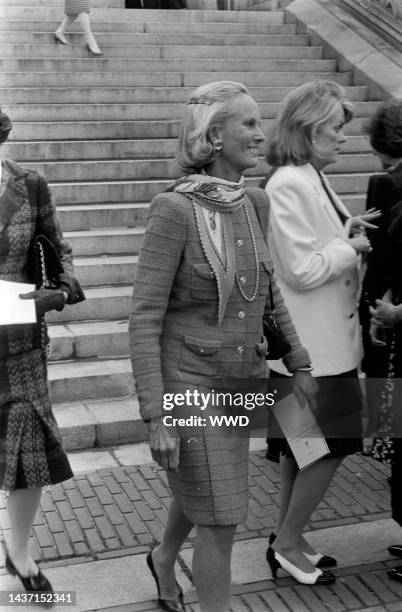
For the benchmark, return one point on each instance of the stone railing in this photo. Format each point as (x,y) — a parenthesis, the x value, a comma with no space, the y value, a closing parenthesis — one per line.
(383,16)
(394,7)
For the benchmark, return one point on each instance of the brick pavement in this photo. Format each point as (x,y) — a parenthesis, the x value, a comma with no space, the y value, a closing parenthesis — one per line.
(122,511)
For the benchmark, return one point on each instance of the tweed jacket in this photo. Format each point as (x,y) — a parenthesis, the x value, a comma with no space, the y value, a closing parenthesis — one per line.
(174,331)
(317,270)
(26,210)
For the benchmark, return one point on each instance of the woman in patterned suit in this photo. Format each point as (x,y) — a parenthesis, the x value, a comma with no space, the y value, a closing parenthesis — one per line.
(201,289)
(78,9)
(31,455)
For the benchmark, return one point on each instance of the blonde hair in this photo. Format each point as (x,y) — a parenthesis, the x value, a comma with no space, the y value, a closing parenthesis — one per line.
(209,106)
(305,109)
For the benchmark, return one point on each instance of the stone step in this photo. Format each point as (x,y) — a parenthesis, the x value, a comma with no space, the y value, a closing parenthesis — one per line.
(135,95)
(136,169)
(123,65)
(93,216)
(167,52)
(91,130)
(92,379)
(118,149)
(102,303)
(105,241)
(131,112)
(149,26)
(96,339)
(105,39)
(105,270)
(178,79)
(107,422)
(136,16)
(145,190)
(60,3)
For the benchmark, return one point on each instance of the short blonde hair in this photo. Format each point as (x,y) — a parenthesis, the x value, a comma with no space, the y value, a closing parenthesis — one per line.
(208,107)
(305,109)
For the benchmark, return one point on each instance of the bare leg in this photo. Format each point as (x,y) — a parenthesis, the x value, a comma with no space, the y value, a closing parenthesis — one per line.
(89,37)
(68,20)
(164,556)
(309,487)
(211,567)
(22,508)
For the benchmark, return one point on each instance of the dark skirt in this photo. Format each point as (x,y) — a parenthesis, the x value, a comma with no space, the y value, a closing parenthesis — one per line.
(31,453)
(339,404)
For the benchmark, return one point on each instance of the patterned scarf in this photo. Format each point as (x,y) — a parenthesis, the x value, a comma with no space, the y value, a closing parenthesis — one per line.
(224,197)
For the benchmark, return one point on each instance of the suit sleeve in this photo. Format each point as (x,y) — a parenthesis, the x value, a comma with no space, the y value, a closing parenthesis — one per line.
(159,259)
(305,264)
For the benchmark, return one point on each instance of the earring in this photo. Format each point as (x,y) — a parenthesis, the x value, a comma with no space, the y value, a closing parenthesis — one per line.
(218,145)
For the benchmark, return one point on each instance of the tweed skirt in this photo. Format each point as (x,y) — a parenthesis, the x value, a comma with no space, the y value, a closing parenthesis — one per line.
(339,406)
(74,7)
(211,484)
(31,454)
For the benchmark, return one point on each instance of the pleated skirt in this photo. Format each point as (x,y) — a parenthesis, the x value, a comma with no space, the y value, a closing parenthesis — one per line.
(31,452)
(74,7)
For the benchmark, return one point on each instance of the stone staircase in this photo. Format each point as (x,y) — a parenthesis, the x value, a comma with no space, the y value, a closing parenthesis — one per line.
(102,131)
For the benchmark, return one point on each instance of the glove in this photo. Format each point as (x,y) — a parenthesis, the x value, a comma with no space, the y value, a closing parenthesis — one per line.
(45,300)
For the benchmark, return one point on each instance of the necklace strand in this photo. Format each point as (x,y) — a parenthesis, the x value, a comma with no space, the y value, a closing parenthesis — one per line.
(257,264)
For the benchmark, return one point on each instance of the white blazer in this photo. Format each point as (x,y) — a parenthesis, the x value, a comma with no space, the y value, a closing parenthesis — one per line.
(316,269)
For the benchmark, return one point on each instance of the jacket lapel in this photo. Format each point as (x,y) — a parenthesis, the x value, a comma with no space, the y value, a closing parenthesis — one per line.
(313,177)
(13,191)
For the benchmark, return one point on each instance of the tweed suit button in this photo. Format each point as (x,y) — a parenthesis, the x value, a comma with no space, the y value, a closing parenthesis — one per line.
(241,314)
(243,280)
(240,349)
(240,242)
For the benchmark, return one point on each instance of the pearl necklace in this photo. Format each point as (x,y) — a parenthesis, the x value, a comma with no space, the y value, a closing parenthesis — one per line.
(257,263)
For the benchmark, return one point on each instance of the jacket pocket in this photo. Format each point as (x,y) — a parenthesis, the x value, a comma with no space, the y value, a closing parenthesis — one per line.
(203,283)
(199,356)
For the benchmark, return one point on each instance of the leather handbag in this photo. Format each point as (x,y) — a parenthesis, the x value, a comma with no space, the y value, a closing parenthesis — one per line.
(278,346)
(48,266)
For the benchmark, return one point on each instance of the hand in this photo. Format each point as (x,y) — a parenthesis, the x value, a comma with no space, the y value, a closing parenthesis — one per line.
(164,444)
(305,388)
(360,243)
(385,313)
(45,300)
(363,221)
(377,332)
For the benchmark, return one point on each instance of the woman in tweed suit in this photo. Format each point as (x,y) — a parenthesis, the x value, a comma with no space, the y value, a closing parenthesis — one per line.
(31,455)
(201,290)
(77,9)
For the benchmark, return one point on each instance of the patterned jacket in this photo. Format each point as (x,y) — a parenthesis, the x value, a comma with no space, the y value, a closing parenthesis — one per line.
(26,210)
(174,331)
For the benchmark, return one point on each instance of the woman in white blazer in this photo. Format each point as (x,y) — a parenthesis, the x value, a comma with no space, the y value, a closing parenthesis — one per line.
(316,248)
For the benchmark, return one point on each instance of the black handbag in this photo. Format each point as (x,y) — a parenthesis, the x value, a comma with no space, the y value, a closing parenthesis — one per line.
(278,346)
(48,266)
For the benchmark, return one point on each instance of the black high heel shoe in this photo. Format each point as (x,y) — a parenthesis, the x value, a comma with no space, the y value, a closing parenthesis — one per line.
(36,584)
(170,605)
(94,53)
(319,560)
(318,577)
(60,40)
